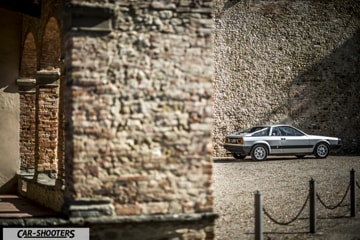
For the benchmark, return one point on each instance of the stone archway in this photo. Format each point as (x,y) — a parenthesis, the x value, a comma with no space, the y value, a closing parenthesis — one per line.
(48,93)
(50,47)
(28,58)
(27,93)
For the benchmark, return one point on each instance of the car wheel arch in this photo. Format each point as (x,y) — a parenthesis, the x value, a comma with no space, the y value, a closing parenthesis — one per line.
(316,146)
(319,142)
(256,152)
(262,143)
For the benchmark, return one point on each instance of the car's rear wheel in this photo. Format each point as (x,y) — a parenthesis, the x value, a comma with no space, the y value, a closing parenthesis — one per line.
(259,152)
(238,155)
(321,150)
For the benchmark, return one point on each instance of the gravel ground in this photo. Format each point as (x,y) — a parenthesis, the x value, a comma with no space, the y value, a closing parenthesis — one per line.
(284,184)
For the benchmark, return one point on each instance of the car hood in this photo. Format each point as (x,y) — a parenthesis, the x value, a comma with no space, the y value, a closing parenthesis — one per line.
(322,137)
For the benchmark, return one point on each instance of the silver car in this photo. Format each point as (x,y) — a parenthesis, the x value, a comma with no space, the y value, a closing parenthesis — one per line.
(261,141)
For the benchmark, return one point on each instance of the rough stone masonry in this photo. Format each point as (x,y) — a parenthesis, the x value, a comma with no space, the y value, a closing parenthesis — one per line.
(138,108)
(294,62)
(132,81)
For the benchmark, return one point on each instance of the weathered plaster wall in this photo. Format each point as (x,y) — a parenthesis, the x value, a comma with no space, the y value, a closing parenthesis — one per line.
(295,62)
(9,98)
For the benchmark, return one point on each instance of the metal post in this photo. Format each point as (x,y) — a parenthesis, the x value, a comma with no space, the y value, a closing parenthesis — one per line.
(312,195)
(352,193)
(258,216)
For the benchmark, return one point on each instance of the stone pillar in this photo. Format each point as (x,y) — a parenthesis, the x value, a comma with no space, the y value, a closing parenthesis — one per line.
(47,99)
(27,93)
(60,181)
(80,22)
(138,114)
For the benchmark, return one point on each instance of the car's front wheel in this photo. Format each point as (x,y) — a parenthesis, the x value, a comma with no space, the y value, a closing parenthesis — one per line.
(238,156)
(321,150)
(259,152)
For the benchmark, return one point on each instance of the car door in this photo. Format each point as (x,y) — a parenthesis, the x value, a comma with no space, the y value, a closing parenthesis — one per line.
(293,141)
(274,141)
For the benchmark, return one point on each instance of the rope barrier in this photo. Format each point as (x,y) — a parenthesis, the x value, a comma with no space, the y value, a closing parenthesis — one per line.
(293,219)
(337,205)
(357,184)
(311,197)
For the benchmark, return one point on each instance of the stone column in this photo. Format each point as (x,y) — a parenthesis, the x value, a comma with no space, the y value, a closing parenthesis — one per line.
(60,181)
(27,93)
(82,23)
(138,112)
(47,98)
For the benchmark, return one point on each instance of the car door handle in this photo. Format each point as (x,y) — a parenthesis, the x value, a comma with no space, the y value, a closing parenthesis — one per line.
(283,138)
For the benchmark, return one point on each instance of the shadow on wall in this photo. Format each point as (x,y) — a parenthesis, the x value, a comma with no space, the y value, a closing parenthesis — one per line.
(11,88)
(10,187)
(325,98)
(230,3)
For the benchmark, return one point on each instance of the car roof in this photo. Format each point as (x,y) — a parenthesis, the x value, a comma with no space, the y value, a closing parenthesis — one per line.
(274,125)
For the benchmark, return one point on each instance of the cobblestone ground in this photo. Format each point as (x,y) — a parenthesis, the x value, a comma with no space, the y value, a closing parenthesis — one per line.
(284,184)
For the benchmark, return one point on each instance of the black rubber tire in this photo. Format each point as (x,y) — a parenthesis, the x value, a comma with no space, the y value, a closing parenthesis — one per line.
(238,156)
(321,150)
(259,152)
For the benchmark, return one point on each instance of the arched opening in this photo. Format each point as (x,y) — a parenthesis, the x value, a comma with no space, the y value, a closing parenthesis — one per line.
(27,93)
(51,50)
(43,187)
(28,57)
(48,103)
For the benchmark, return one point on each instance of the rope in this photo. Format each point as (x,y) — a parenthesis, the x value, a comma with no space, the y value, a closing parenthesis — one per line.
(292,220)
(304,205)
(337,205)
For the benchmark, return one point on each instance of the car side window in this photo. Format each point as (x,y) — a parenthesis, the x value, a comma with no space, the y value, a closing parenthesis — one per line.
(276,131)
(289,131)
(264,132)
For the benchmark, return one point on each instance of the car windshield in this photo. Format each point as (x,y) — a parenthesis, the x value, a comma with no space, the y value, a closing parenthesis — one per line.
(253,130)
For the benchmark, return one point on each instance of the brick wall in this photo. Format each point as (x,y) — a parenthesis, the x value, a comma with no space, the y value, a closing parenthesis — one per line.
(39,87)
(27,130)
(42,52)
(27,103)
(28,57)
(50,46)
(47,129)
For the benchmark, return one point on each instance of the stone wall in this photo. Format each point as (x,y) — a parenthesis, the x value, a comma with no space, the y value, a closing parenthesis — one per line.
(192,228)
(139,107)
(135,94)
(294,62)
(43,192)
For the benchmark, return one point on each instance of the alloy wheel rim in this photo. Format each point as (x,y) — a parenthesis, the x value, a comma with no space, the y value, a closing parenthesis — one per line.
(260,153)
(322,150)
